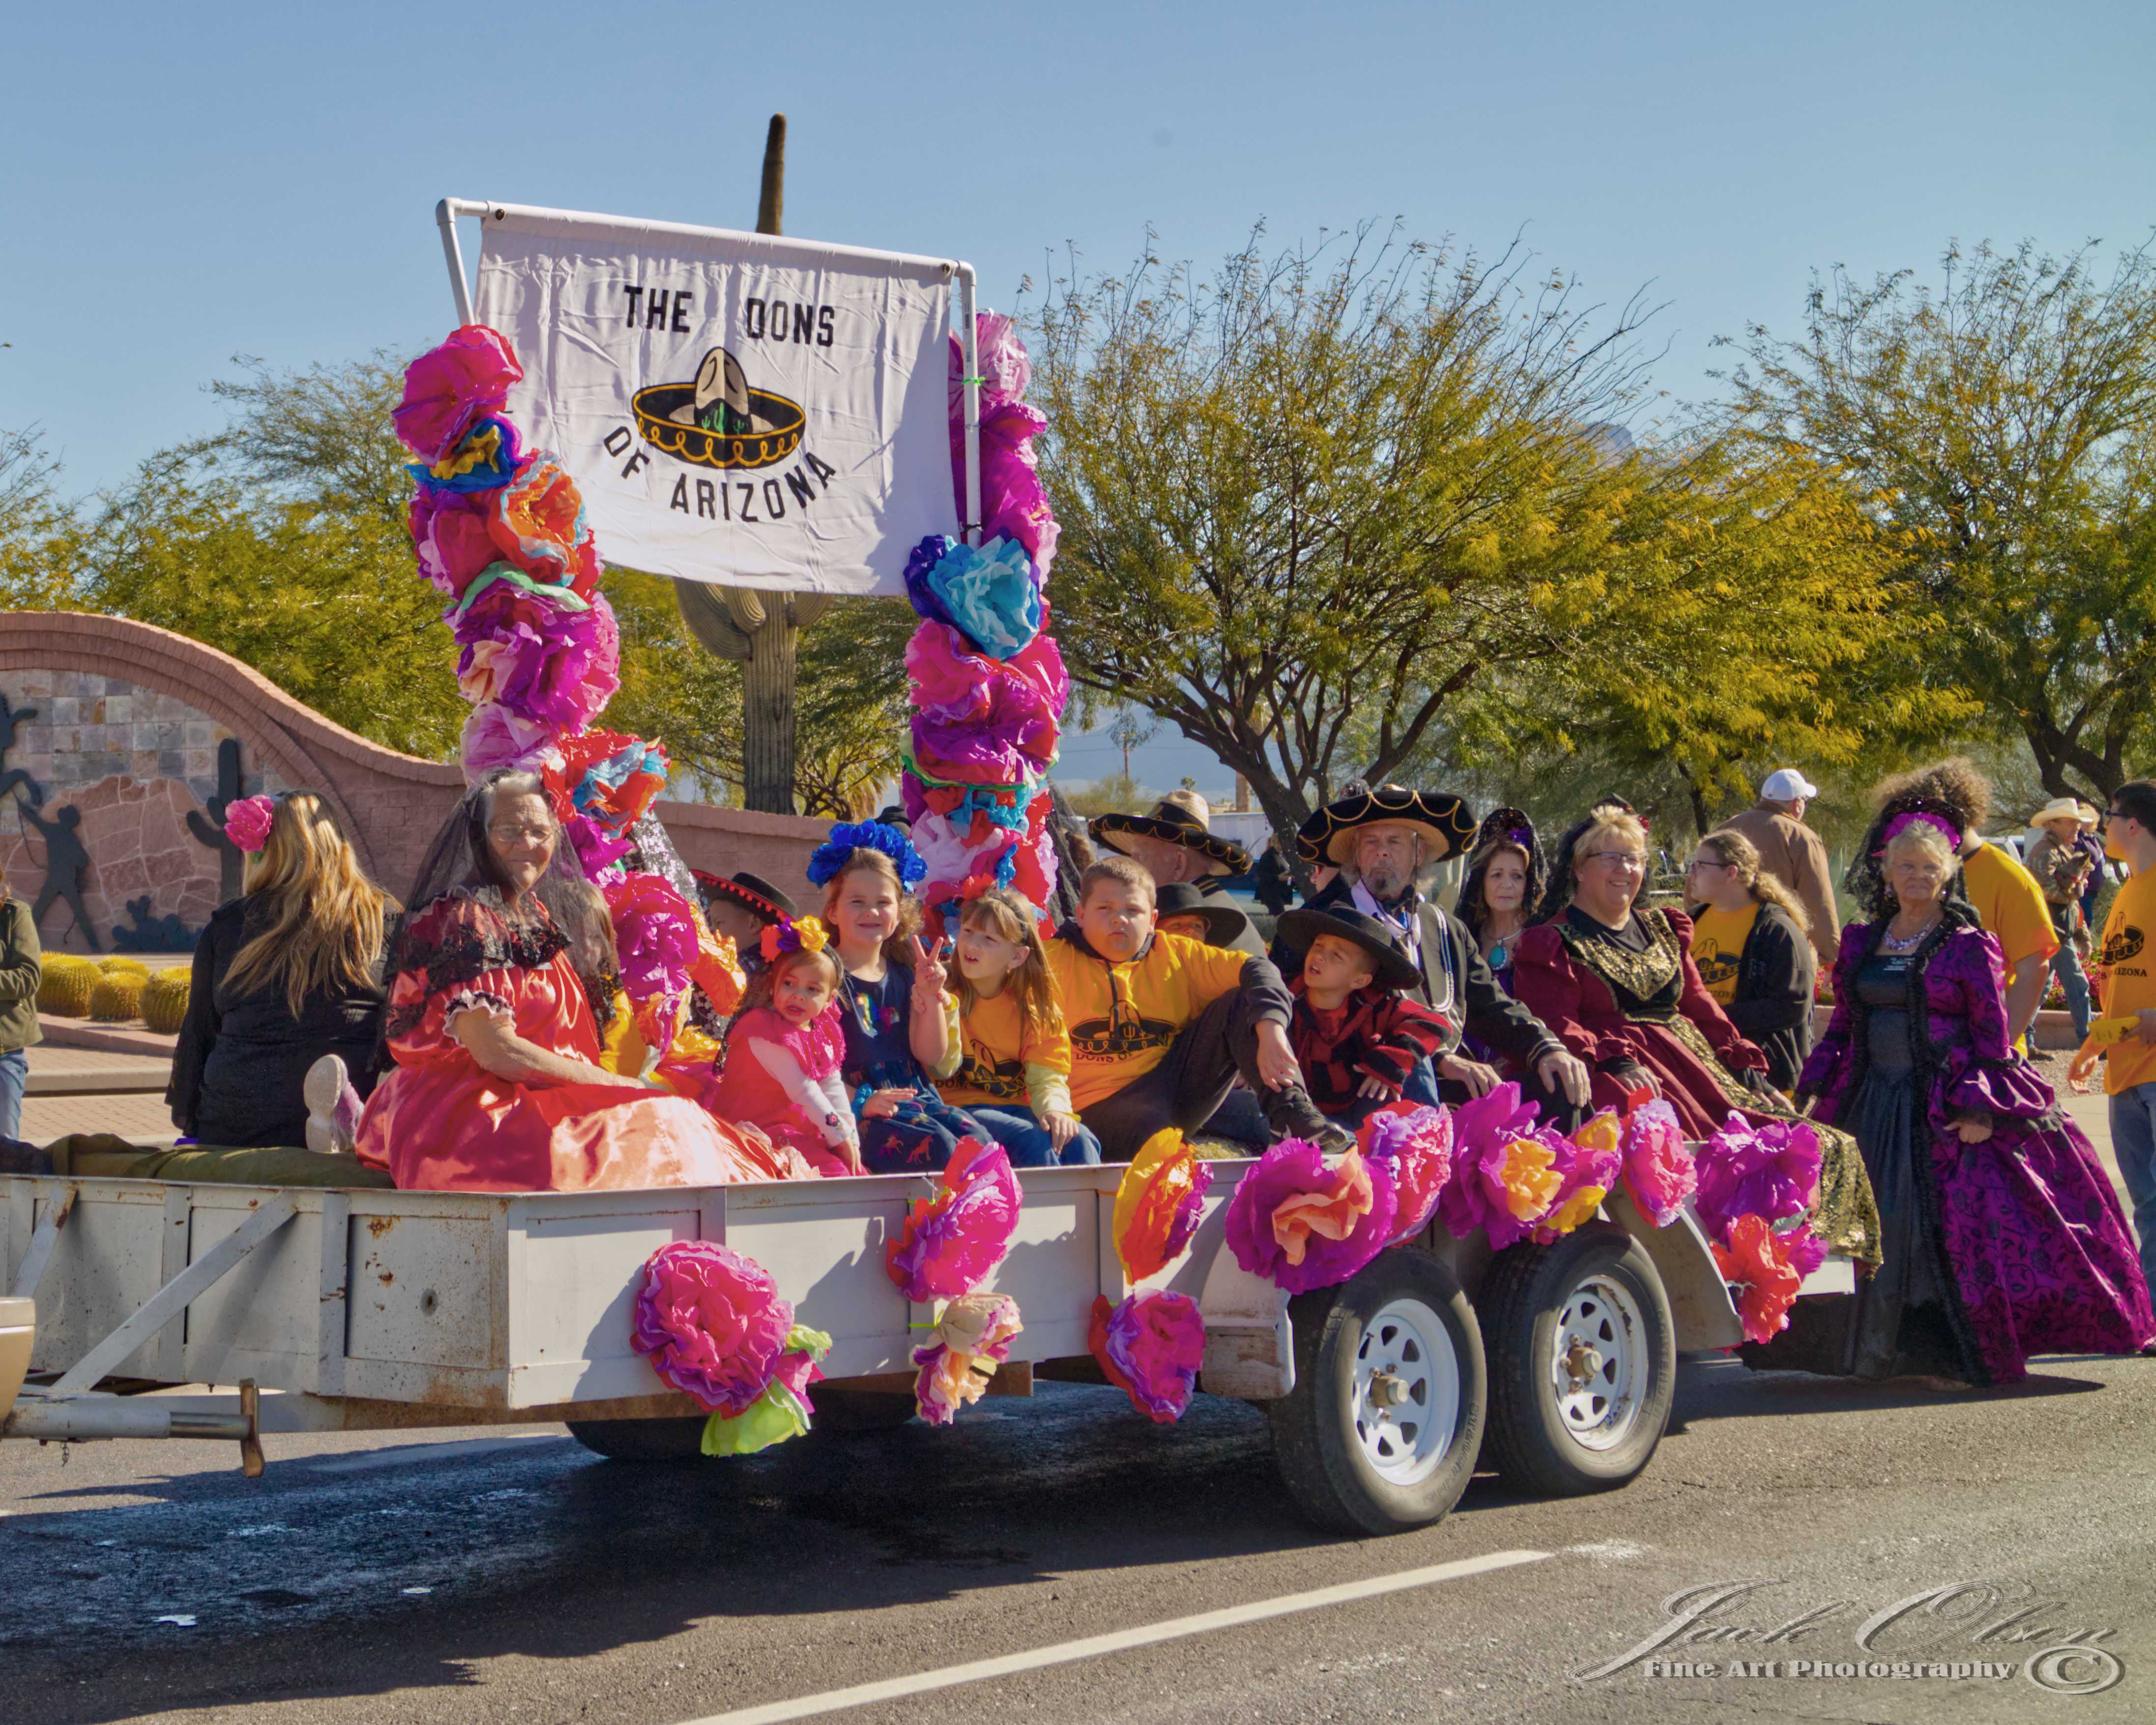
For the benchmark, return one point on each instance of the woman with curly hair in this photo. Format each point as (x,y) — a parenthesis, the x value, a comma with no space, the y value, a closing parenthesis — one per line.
(2002,1235)
(1751,940)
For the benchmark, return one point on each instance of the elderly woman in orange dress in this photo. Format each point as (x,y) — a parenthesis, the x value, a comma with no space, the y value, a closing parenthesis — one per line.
(492,1022)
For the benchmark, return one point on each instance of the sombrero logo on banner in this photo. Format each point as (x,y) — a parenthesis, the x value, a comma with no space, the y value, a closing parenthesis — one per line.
(738,407)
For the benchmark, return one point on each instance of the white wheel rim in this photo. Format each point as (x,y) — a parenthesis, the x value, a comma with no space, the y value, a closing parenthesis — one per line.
(1407,1392)
(1597,1363)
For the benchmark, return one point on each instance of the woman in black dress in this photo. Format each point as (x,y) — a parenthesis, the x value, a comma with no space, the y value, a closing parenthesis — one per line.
(285,974)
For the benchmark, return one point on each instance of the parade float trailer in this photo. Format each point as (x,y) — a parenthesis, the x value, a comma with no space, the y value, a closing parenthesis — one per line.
(377,1310)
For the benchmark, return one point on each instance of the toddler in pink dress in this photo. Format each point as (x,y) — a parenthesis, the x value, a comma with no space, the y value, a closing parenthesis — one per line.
(780,1069)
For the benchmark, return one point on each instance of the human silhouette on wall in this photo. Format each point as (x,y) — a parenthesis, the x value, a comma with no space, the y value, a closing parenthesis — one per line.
(67,864)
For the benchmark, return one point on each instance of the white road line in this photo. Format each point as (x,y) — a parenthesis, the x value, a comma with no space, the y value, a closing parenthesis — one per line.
(832,1701)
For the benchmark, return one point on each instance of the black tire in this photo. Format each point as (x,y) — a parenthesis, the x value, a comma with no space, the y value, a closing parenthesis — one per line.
(1327,1441)
(669,1440)
(1617,1404)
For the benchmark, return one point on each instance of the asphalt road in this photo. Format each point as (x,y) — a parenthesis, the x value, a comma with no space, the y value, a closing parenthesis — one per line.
(514,1578)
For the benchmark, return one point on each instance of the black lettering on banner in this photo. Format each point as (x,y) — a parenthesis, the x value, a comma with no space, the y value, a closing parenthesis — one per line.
(707,506)
(748,501)
(804,492)
(680,500)
(753,318)
(804,324)
(823,327)
(638,459)
(611,447)
(634,294)
(822,469)
(774,500)
(654,310)
(725,500)
(681,324)
(778,319)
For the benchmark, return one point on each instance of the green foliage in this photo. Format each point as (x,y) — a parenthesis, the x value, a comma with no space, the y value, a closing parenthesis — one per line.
(2004,426)
(38,530)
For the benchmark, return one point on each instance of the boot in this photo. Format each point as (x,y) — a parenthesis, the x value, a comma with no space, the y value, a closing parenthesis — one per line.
(333,1108)
(1290,1114)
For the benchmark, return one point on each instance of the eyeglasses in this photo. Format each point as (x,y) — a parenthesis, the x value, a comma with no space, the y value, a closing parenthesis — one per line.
(511,834)
(1629,860)
(1703,862)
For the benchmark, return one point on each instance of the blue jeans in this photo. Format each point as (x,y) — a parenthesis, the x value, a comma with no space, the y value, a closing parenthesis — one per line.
(1422,1083)
(2133,1144)
(2067,967)
(917,1138)
(14,1078)
(1019,1131)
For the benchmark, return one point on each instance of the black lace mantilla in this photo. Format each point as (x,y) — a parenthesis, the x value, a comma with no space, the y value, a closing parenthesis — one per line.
(450,949)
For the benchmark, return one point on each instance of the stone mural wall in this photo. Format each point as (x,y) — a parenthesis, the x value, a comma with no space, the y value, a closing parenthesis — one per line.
(121,745)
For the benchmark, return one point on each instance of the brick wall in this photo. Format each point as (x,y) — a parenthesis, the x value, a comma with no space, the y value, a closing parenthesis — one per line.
(112,695)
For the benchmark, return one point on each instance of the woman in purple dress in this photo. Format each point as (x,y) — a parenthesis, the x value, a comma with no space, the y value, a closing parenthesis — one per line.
(2002,1237)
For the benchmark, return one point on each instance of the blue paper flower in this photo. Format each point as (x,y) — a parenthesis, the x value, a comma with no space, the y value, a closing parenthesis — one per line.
(991,591)
(850,836)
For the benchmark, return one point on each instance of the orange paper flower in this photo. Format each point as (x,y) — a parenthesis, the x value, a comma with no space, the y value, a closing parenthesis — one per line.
(1157,1204)
(1330,1215)
(1756,1264)
(1530,1178)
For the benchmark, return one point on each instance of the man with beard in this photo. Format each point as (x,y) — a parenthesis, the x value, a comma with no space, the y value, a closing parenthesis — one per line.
(1380,840)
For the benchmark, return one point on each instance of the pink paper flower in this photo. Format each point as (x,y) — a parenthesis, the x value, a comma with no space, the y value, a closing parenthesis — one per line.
(1150,1347)
(1502,1179)
(495,737)
(1805,1250)
(450,388)
(1415,1139)
(1771,1172)
(247,822)
(950,1242)
(973,1337)
(712,1323)
(1658,1164)
(449,536)
(654,937)
(1302,1224)
(546,663)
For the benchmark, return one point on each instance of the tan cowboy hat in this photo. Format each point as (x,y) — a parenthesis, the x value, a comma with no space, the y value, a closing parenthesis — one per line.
(1180,818)
(1443,820)
(2091,816)
(2059,809)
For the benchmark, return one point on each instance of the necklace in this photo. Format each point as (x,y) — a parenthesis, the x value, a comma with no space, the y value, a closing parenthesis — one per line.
(1889,941)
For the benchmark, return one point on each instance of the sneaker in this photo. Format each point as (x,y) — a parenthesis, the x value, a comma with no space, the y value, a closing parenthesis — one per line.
(1290,1114)
(332,1107)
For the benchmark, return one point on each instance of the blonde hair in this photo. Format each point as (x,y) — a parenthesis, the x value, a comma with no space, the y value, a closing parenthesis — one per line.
(764,986)
(325,916)
(1741,857)
(1626,826)
(898,948)
(1923,835)
(1009,918)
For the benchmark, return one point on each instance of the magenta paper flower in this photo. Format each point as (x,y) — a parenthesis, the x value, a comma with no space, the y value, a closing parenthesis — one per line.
(1302,1224)
(1658,1163)
(950,1242)
(597,849)
(450,388)
(1588,1164)
(712,1323)
(1806,1250)
(1150,1347)
(494,737)
(654,938)
(1415,1139)
(247,822)
(1771,1172)
(1484,1128)
(449,536)
(973,1337)
(549,664)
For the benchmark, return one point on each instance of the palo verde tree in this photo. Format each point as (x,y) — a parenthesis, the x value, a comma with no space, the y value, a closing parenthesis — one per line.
(2004,426)
(1306,506)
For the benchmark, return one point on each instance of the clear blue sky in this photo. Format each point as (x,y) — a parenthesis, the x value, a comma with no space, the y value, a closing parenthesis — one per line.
(180,184)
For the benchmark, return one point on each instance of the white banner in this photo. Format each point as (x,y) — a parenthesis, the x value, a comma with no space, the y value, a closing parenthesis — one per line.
(735,407)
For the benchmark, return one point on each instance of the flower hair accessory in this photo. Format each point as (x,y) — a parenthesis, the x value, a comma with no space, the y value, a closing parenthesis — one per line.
(850,836)
(1908,818)
(793,934)
(247,822)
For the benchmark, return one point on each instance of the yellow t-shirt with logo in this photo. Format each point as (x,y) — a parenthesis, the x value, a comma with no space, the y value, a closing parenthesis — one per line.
(2124,982)
(1718,948)
(1122,1017)
(996,1045)
(2010,906)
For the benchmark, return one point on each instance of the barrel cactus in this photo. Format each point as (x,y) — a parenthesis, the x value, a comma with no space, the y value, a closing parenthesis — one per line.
(118,965)
(64,992)
(165,1000)
(116,997)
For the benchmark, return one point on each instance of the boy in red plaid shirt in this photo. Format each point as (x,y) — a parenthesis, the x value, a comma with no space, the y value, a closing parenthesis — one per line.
(1354,1032)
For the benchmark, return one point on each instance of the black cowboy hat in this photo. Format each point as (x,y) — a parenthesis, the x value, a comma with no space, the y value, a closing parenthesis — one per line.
(1443,820)
(1224,921)
(1396,969)
(1180,818)
(752,892)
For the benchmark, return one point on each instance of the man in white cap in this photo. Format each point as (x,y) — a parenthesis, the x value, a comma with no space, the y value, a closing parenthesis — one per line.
(1794,854)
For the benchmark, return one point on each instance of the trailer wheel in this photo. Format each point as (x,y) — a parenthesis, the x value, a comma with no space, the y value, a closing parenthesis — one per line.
(1583,1362)
(670,1439)
(1379,1433)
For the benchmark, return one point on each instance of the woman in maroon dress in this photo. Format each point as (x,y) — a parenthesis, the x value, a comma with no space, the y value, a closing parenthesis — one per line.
(1617,985)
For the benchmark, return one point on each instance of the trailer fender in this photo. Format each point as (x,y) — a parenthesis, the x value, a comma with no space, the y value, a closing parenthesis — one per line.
(1700,1307)
(1250,1345)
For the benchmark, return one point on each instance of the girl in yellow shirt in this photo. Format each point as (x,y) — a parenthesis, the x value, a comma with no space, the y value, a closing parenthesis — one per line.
(1013,1074)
